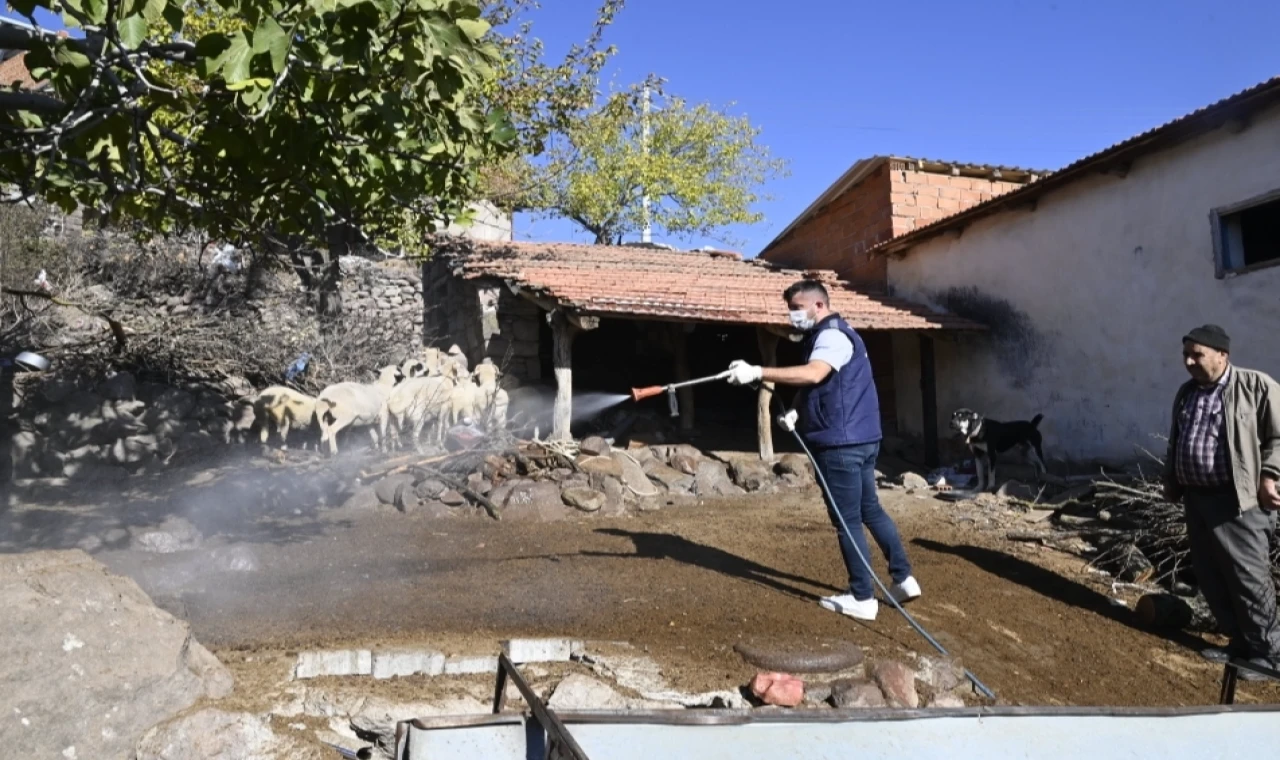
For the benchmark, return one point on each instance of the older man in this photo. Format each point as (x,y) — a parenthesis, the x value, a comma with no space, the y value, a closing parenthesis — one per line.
(1223,463)
(839,419)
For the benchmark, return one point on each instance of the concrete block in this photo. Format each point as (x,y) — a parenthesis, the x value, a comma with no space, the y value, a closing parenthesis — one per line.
(540,650)
(407,662)
(467,665)
(343,662)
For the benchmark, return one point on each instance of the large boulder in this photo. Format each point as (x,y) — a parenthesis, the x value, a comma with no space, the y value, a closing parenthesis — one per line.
(527,501)
(752,474)
(634,477)
(671,479)
(712,479)
(90,662)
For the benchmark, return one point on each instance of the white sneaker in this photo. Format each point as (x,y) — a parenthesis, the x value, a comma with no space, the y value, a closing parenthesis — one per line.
(845,604)
(906,591)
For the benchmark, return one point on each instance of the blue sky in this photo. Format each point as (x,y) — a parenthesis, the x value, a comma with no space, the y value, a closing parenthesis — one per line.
(1015,82)
(1034,83)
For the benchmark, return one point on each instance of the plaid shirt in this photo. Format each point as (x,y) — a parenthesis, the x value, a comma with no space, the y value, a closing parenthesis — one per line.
(1203,459)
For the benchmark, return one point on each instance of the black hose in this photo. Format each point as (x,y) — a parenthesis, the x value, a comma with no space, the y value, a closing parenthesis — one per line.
(822,482)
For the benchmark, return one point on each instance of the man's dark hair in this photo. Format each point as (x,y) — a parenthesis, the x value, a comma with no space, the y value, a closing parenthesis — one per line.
(807,286)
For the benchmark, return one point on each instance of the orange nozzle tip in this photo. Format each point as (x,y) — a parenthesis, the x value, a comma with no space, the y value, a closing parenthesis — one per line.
(642,393)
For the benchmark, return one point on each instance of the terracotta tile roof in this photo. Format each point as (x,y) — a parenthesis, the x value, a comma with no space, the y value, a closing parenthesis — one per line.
(1233,108)
(673,285)
(13,71)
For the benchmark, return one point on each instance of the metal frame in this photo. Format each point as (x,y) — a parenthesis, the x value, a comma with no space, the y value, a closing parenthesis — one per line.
(1231,675)
(560,743)
(1220,270)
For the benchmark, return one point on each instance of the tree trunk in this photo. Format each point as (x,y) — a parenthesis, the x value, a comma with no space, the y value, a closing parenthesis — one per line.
(764,398)
(562,334)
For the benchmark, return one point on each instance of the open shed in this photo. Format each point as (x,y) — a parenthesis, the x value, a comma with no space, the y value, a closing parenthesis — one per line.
(532,306)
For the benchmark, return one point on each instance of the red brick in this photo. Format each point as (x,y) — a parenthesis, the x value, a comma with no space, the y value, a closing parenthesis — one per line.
(949,192)
(927,201)
(938,179)
(949,205)
(972,197)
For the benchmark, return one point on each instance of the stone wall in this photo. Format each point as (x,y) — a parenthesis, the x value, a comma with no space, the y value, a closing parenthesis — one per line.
(485,319)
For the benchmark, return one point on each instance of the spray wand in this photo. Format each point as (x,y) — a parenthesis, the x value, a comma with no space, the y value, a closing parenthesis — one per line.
(670,389)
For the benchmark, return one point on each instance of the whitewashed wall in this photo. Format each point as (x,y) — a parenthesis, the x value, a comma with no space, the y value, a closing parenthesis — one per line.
(1089,294)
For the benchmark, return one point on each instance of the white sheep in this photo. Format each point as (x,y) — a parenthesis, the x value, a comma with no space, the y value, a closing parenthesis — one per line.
(418,400)
(284,408)
(492,400)
(343,405)
(464,401)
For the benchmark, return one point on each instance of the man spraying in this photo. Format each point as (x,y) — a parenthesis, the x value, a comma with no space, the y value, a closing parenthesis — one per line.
(839,419)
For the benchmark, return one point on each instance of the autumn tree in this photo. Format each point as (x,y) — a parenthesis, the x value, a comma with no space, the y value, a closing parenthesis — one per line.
(312,122)
(699,168)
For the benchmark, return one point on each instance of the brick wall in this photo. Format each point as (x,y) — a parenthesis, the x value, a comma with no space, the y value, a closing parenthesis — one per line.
(839,236)
(919,198)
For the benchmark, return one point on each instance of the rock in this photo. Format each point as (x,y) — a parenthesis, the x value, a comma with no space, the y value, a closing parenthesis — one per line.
(940,673)
(898,682)
(830,656)
(24,451)
(778,689)
(946,700)
(849,694)
(119,387)
(172,404)
(429,489)
(671,479)
(395,490)
(615,494)
(685,463)
(90,662)
(528,500)
(497,468)
(600,465)
(133,450)
(407,662)
(633,476)
(452,498)
(913,481)
(236,387)
(751,474)
(1020,491)
(712,479)
(215,733)
(794,464)
(173,535)
(479,483)
(56,391)
(585,499)
(595,446)
(540,650)
(581,692)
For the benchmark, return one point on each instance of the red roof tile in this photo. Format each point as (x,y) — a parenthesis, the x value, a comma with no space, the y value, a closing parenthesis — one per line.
(13,71)
(674,285)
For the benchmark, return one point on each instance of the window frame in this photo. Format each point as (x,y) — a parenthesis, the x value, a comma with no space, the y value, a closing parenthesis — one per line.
(1220,270)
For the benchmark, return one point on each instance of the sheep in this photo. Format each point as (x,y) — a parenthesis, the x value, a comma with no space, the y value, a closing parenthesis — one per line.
(464,400)
(417,400)
(284,408)
(486,374)
(343,405)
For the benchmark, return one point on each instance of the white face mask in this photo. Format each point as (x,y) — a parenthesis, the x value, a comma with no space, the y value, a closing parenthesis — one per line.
(801,320)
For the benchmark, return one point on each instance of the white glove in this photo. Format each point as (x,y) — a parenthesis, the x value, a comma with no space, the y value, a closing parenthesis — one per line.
(741,373)
(788,420)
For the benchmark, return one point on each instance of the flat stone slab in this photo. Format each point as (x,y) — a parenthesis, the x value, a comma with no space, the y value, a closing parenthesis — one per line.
(341,662)
(468,665)
(407,662)
(801,656)
(540,650)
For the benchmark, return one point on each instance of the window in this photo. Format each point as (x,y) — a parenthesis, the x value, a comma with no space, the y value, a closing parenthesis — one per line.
(1247,235)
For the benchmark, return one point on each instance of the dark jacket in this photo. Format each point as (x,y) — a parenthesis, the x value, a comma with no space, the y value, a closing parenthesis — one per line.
(1251,411)
(842,410)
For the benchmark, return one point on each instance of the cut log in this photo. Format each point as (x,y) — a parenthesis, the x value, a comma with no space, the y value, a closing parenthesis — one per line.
(1169,611)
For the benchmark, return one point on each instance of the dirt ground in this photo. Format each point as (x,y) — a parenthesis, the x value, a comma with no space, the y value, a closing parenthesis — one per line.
(683,583)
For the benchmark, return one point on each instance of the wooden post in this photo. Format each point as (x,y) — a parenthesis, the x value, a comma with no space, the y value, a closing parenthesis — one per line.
(562,334)
(764,399)
(682,373)
(929,400)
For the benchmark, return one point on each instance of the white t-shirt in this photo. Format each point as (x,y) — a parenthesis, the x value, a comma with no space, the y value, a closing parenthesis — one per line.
(832,347)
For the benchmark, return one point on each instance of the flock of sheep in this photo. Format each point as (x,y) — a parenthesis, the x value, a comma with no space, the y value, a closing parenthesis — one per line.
(434,388)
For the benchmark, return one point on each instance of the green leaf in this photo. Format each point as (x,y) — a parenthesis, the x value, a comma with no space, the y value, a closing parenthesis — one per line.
(235,66)
(133,31)
(23,7)
(153,11)
(271,38)
(174,14)
(66,55)
(474,29)
(443,34)
(96,10)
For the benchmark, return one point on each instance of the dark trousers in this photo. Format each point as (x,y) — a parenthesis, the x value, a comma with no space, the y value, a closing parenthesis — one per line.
(1230,554)
(850,473)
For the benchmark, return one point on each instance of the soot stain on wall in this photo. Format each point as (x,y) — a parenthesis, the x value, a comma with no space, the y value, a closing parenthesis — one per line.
(1017,344)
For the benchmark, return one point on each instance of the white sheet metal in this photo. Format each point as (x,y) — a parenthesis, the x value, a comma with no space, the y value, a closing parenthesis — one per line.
(958,735)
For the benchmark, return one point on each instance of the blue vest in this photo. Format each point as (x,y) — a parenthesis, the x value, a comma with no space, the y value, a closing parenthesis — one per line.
(842,410)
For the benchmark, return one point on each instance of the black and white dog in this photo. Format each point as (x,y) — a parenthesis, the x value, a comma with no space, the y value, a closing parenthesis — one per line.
(988,438)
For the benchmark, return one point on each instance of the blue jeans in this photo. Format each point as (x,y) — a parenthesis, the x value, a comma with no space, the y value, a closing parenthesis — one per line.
(850,472)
